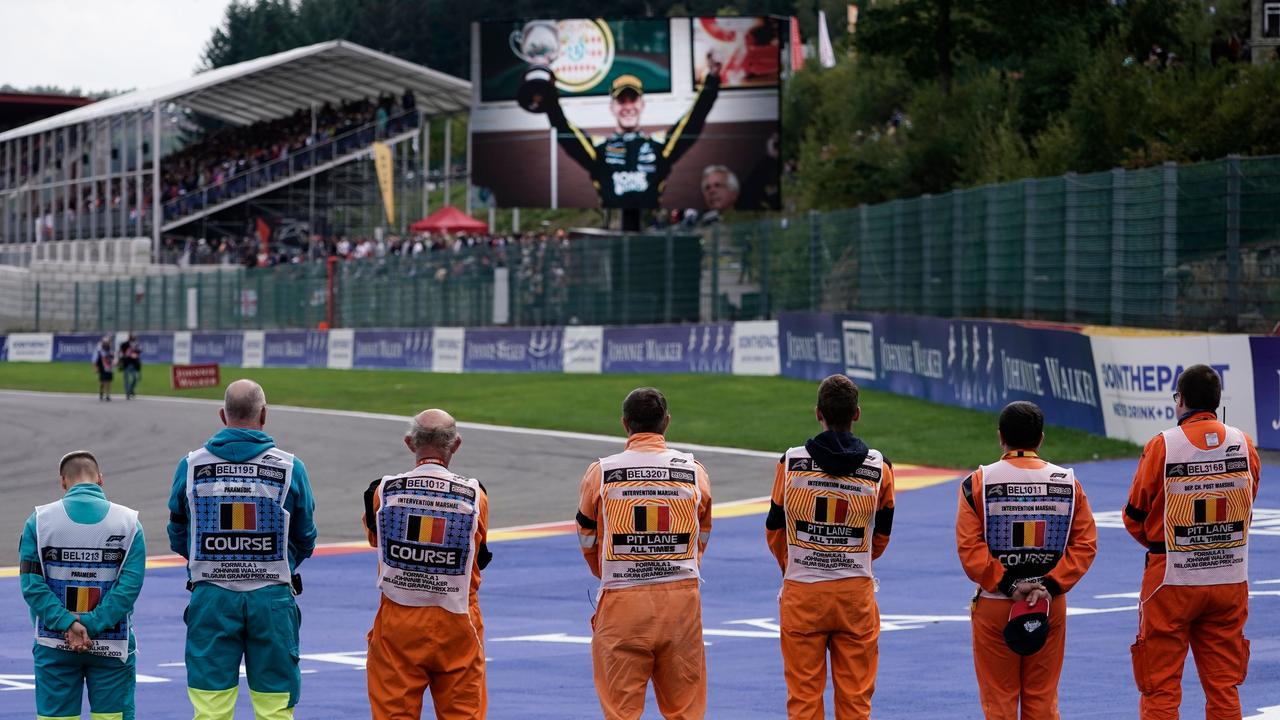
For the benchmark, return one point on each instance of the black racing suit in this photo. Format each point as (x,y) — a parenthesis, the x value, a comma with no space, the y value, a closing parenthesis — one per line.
(629,169)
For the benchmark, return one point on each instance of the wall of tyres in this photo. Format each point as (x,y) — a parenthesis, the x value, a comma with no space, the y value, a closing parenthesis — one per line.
(1091,379)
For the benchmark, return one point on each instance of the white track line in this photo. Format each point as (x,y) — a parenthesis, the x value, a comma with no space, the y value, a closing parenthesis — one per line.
(559,434)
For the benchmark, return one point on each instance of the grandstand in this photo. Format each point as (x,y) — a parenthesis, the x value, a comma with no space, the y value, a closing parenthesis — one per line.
(126,186)
(225,138)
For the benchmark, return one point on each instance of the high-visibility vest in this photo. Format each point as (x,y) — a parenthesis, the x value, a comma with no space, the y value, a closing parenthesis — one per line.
(239,524)
(830,519)
(1208,503)
(1027,516)
(81,564)
(650,529)
(426,526)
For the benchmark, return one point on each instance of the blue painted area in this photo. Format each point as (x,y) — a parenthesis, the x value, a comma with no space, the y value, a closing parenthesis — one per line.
(541,587)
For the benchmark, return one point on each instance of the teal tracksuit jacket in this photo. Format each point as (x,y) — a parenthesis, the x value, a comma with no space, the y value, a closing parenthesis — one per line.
(259,625)
(60,674)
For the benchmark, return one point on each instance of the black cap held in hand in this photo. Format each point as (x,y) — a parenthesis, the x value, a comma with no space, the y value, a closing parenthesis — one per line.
(1028,627)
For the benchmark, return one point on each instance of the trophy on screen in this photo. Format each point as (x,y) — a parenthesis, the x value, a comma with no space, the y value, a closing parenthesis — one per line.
(537,43)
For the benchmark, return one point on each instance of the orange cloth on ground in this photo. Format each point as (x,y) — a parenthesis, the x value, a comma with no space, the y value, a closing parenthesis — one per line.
(413,649)
(1209,620)
(647,632)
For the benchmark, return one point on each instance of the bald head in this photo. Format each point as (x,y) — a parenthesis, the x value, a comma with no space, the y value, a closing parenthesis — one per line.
(244,405)
(433,434)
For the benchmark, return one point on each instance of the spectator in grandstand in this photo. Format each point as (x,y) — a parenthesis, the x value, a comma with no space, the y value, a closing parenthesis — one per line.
(837,494)
(1025,549)
(644,518)
(1189,507)
(227,496)
(131,365)
(104,363)
(428,633)
(82,602)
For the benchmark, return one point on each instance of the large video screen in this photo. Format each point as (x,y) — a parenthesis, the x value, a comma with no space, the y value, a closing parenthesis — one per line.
(671,113)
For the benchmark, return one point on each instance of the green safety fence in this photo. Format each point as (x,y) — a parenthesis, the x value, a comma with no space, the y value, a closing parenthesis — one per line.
(1189,247)
(592,280)
(1192,247)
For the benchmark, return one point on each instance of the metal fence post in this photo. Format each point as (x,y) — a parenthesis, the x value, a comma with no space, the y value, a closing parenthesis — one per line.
(957,236)
(115,304)
(926,255)
(715,272)
(1169,283)
(765,300)
(37,328)
(102,307)
(1070,252)
(989,235)
(669,281)
(75,312)
(898,272)
(815,245)
(1028,247)
(864,229)
(626,276)
(1233,242)
(1118,275)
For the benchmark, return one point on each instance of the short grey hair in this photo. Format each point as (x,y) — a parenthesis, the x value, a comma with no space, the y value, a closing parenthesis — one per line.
(730,180)
(244,406)
(77,464)
(439,438)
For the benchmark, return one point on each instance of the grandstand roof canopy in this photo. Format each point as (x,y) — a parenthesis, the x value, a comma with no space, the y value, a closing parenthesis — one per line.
(277,85)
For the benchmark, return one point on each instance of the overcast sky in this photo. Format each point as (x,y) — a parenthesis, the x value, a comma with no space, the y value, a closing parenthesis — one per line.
(103,44)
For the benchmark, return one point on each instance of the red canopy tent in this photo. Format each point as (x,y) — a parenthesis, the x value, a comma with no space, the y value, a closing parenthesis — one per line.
(449,219)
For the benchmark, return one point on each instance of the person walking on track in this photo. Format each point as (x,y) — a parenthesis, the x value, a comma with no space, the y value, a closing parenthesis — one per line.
(104,363)
(1025,535)
(644,518)
(830,515)
(241,513)
(1190,506)
(430,528)
(82,561)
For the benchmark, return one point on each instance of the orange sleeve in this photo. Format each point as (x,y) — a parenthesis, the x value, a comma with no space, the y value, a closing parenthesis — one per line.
(482,537)
(1144,513)
(975,557)
(884,514)
(704,510)
(1082,547)
(1255,463)
(370,535)
(776,537)
(589,517)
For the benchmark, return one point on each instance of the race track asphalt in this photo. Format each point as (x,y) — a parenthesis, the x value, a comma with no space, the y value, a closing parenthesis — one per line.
(531,476)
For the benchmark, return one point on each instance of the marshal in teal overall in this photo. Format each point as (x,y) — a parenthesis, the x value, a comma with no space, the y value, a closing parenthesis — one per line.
(241,513)
(82,562)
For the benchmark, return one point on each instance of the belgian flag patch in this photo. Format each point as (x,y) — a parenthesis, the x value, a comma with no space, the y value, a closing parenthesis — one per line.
(238,516)
(426,529)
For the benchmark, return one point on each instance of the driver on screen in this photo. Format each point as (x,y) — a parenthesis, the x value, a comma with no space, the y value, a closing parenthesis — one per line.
(630,168)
